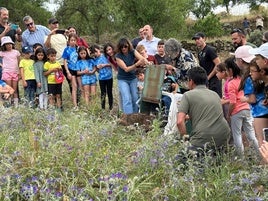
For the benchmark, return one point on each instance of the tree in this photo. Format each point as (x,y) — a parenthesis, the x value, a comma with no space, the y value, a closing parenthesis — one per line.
(20,8)
(95,17)
(202,8)
(91,17)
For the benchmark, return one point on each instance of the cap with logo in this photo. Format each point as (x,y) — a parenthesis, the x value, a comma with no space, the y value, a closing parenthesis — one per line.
(26,49)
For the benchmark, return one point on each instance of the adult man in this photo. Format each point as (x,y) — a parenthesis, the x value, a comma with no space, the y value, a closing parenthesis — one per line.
(208,59)
(34,33)
(6,29)
(149,42)
(239,38)
(135,41)
(182,61)
(209,127)
(56,40)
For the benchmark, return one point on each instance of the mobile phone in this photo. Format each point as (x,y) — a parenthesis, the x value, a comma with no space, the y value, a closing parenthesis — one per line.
(265,133)
(14,26)
(60,31)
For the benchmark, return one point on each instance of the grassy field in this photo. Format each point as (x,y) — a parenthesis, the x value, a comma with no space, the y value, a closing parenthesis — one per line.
(87,155)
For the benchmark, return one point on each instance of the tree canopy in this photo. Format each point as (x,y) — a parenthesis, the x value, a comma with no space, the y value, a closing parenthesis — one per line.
(121,17)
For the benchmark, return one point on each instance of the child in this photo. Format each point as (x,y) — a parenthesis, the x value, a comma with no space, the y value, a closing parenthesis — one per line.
(221,73)
(253,88)
(10,66)
(239,112)
(87,71)
(171,86)
(140,77)
(70,58)
(140,83)
(27,75)
(41,80)
(35,47)
(51,67)
(105,76)
(161,57)
(149,58)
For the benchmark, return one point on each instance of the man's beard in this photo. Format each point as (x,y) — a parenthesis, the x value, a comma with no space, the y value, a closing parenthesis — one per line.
(236,45)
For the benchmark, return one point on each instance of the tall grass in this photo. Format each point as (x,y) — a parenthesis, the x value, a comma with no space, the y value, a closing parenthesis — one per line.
(86,155)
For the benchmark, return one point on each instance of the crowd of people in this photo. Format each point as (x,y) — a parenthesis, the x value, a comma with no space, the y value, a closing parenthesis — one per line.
(49,55)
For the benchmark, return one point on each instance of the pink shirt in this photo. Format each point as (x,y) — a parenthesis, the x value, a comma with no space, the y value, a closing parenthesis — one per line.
(225,89)
(10,61)
(235,95)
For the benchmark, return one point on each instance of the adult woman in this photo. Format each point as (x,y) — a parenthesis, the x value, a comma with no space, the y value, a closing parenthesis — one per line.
(80,41)
(127,81)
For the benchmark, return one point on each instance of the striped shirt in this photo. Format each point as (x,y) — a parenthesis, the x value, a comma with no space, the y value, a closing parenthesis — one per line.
(38,36)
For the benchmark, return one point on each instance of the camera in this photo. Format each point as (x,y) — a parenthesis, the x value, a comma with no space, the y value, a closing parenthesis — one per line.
(265,133)
(60,31)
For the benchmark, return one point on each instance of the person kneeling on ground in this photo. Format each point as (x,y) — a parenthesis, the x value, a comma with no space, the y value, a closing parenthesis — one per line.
(5,89)
(210,130)
(264,152)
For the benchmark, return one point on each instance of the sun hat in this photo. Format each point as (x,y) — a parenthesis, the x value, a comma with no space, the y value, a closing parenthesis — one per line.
(5,40)
(242,52)
(262,50)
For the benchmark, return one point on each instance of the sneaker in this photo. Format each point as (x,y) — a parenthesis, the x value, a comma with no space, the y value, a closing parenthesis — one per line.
(75,108)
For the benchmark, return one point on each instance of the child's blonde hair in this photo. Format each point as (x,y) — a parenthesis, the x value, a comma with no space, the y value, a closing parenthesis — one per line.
(140,48)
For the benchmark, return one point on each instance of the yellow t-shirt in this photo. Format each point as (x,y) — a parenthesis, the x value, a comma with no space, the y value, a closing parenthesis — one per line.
(51,76)
(28,68)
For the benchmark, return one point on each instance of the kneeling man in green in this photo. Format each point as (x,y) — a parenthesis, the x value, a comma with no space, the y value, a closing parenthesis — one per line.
(209,127)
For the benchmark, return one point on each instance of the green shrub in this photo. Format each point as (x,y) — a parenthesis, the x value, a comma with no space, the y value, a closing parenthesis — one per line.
(210,25)
(256,37)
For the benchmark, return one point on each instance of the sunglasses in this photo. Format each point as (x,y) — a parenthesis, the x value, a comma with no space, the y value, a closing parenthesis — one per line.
(125,46)
(237,31)
(29,24)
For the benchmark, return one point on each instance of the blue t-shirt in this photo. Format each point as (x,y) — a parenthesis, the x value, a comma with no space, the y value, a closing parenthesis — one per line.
(106,72)
(71,55)
(129,60)
(89,64)
(257,109)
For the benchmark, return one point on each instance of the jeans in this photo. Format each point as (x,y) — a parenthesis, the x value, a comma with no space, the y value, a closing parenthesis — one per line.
(243,119)
(30,90)
(167,102)
(129,93)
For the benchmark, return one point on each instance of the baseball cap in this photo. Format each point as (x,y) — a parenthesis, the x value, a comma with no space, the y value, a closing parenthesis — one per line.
(262,50)
(53,21)
(242,52)
(198,35)
(26,49)
(5,40)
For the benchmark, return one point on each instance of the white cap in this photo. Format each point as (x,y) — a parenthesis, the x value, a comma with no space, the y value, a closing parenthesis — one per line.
(262,50)
(5,40)
(242,52)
